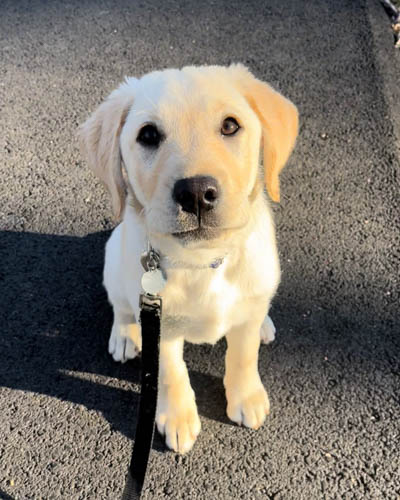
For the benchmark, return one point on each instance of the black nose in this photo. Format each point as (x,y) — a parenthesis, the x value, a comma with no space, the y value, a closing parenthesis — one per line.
(196,194)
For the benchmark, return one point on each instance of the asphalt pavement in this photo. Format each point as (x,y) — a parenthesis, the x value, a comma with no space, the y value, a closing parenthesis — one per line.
(67,411)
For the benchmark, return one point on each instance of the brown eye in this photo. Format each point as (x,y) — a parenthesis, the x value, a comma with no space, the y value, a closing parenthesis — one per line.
(229,126)
(149,136)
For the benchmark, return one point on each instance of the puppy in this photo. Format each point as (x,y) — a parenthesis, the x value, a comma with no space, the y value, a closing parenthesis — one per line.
(192,188)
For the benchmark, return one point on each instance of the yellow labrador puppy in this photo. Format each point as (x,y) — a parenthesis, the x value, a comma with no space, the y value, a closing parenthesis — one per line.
(192,188)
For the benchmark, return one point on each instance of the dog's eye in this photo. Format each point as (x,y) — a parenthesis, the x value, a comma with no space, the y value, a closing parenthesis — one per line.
(229,126)
(149,136)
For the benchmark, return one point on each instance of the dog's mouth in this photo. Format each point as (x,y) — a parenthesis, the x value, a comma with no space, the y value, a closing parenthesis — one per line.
(199,233)
(204,233)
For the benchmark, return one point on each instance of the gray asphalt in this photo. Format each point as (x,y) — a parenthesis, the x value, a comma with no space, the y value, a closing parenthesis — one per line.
(68,412)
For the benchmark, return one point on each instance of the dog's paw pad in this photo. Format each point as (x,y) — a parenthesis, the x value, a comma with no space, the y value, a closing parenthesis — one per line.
(180,430)
(249,409)
(267,331)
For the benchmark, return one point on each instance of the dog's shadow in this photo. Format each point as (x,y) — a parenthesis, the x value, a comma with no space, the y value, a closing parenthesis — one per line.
(56,321)
(5,496)
(55,327)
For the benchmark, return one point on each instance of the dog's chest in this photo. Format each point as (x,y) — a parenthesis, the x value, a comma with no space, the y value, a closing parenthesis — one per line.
(201,304)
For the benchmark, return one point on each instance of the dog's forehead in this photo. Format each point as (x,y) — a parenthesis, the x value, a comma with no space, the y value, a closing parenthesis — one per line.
(200,88)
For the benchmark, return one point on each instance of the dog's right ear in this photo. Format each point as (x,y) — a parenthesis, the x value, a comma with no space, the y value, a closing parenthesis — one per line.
(99,138)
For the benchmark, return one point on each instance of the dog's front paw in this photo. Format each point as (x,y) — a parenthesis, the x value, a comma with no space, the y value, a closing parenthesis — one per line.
(178,420)
(247,406)
(267,331)
(125,342)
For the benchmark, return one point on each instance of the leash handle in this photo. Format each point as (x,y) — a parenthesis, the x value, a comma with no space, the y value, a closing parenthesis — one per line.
(150,319)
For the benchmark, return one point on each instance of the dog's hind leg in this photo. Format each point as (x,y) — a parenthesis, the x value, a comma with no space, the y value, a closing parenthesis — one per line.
(125,339)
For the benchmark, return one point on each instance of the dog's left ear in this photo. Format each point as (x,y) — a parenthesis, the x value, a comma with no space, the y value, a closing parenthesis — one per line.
(99,137)
(279,120)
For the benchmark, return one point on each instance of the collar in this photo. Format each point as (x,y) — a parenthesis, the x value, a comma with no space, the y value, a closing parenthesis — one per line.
(152,259)
(215,264)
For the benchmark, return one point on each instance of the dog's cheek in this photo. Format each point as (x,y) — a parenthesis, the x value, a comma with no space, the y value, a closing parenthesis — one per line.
(236,209)
(133,163)
(250,152)
(143,177)
(237,196)
(160,174)
(161,211)
(245,149)
(136,181)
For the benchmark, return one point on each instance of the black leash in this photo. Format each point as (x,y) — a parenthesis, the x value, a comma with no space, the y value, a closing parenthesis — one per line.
(153,282)
(150,319)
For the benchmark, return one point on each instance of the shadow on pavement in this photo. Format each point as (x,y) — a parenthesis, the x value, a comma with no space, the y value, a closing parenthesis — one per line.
(56,323)
(5,496)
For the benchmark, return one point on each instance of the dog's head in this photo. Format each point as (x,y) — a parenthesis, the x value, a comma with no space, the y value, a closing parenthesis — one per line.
(190,141)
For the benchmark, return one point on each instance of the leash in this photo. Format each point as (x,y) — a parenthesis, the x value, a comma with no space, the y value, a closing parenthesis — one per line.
(153,282)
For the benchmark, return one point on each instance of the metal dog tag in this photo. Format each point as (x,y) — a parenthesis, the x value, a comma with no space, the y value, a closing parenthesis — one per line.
(153,282)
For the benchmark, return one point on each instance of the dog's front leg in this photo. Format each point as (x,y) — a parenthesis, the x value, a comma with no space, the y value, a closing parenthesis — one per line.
(247,399)
(125,339)
(177,415)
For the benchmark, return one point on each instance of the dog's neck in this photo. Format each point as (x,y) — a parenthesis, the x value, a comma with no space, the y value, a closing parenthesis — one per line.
(167,263)
(174,255)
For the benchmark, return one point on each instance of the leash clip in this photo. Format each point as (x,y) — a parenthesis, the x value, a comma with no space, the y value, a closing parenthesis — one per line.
(150,260)
(151,303)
